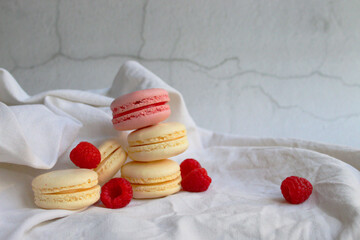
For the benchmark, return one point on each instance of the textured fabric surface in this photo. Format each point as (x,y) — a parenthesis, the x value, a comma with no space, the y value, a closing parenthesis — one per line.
(244,200)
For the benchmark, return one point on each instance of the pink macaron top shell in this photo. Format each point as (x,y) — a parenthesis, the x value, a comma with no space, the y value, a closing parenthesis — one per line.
(140,109)
(139,99)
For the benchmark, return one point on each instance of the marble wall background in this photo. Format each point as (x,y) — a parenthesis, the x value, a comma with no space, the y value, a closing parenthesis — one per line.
(279,68)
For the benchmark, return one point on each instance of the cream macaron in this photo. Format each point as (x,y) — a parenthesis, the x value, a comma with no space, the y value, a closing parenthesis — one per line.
(153,179)
(66,189)
(157,142)
(113,157)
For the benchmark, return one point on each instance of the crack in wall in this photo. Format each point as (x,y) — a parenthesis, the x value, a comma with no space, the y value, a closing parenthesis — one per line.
(119,55)
(54,55)
(275,103)
(177,40)
(142,29)
(192,63)
(336,18)
(57,31)
(272,100)
(284,77)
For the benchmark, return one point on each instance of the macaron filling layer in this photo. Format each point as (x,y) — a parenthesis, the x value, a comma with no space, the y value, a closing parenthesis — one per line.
(165,138)
(134,180)
(145,102)
(89,196)
(105,158)
(72,191)
(161,145)
(86,185)
(145,112)
(138,109)
(157,186)
(105,164)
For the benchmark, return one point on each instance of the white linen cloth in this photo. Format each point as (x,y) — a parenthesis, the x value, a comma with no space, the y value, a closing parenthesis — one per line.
(244,200)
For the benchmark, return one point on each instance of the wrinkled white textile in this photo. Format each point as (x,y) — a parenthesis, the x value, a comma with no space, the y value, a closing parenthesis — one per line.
(244,200)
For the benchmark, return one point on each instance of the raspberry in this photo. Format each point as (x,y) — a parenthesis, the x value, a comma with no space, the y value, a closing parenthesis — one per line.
(116,193)
(296,189)
(187,166)
(85,155)
(196,181)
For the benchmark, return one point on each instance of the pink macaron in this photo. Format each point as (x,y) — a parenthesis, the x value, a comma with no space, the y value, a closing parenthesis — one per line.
(140,109)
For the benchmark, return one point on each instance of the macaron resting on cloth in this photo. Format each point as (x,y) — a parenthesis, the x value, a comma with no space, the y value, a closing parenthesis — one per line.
(66,189)
(153,179)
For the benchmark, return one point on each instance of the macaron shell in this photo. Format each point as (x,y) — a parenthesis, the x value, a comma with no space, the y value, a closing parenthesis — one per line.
(140,109)
(143,118)
(138,180)
(111,165)
(70,201)
(158,151)
(139,99)
(63,180)
(153,179)
(143,171)
(108,147)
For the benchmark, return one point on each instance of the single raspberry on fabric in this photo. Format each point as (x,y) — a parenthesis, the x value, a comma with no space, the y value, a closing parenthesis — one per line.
(196,181)
(296,189)
(85,155)
(187,166)
(116,193)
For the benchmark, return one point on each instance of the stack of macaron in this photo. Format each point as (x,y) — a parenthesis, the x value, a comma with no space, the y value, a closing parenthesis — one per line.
(151,174)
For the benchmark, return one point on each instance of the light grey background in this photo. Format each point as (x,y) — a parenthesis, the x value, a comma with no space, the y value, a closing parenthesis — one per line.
(279,68)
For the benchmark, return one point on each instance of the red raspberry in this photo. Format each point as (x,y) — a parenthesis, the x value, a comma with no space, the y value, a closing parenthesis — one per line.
(116,193)
(187,166)
(85,155)
(196,181)
(296,189)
